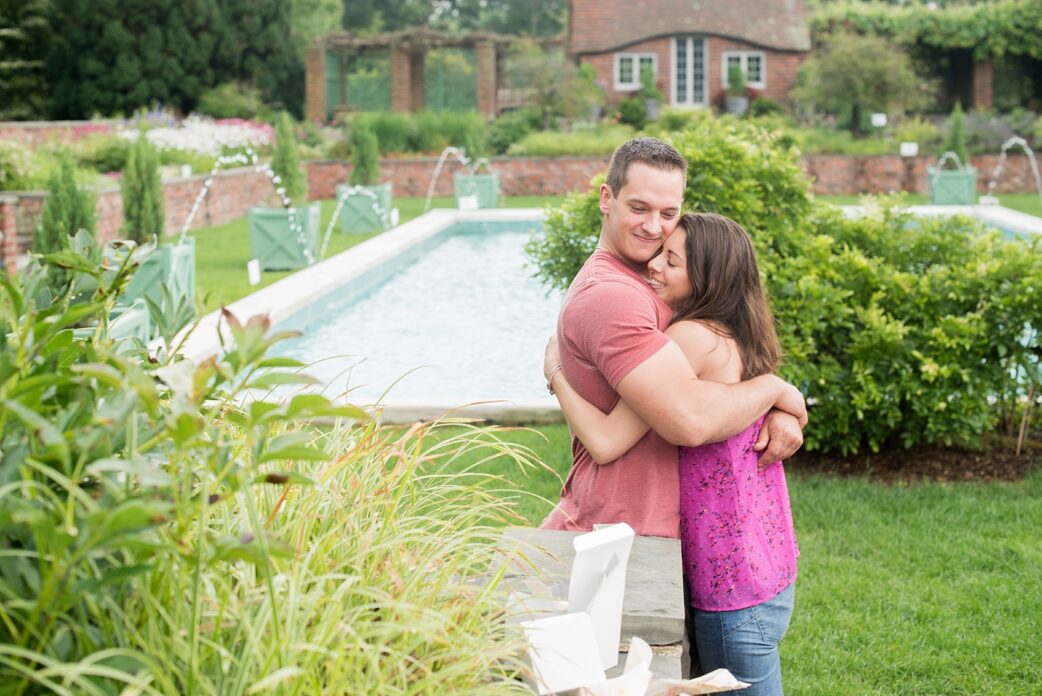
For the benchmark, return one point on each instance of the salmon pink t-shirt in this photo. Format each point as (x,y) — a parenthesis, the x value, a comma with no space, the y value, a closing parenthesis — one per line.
(611,322)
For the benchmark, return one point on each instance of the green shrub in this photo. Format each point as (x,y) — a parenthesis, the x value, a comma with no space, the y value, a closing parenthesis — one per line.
(285,161)
(69,208)
(393,131)
(163,534)
(900,331)
(510,128)
(366,171)
(764,106)
(197,160)
(673,120)
(919,130)
(230,100)
(1037,131)
(955,138)
(735,169)
(907,331)
(735,81)
(103,152)
(144,216)
(632,112)
(16,166)
(599,140)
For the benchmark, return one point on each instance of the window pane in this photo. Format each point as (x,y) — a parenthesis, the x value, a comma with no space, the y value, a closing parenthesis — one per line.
(755,69)
(680,60)
(698,71)
(647,63)
(626,69)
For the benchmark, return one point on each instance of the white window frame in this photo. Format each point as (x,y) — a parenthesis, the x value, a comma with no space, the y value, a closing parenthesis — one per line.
(621,86)
(690,86)
(743,57)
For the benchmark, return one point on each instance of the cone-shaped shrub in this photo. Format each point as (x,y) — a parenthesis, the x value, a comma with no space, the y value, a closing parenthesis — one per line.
(143,210)
(366,152)
(68,209)
(285,161)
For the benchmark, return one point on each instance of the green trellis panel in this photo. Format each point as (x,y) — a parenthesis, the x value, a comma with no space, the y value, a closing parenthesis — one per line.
(484,186)
(361,213)
(450,80)
(130,322)
(275,245)
(953,186)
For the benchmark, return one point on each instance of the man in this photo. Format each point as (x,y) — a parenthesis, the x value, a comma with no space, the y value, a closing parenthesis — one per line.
(612,345)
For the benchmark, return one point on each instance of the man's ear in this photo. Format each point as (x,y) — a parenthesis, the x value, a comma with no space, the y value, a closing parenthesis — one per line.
(606,198)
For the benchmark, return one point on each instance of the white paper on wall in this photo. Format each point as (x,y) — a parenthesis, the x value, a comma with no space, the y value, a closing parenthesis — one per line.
(563,652)
(598,583)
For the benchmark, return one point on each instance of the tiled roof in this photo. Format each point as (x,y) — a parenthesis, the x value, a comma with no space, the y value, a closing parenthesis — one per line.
(604,25)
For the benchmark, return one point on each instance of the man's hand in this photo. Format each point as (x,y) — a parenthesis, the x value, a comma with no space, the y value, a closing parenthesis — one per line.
(791,401)
(780,437)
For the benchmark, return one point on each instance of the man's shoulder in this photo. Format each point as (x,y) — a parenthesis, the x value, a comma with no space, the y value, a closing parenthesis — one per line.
(600,275)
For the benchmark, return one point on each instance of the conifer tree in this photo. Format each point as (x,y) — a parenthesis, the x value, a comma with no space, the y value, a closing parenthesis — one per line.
(143,208)
(68,208)
(285,161)
(25,37)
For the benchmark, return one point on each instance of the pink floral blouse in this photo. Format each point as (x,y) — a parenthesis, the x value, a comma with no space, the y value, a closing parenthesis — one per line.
(737,539)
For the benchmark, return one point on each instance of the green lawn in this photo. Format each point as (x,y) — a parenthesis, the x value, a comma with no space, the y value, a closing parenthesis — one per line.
(923,589)
(222,251)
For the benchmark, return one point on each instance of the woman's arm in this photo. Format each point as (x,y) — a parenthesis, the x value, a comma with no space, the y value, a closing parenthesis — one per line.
(605,436)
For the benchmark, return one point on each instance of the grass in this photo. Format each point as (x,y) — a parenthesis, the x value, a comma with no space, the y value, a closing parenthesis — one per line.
(223,250)
(924,589)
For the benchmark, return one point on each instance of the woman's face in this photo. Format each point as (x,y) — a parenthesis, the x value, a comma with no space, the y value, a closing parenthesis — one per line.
(667,272)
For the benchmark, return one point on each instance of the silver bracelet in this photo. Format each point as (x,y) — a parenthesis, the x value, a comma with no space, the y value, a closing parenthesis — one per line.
(550,379)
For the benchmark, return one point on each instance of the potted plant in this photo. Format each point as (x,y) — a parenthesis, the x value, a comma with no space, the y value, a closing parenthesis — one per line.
(144,220)
(475,190)
(285,238)
(736,100)
(956,186)
(366,204)
(650,93)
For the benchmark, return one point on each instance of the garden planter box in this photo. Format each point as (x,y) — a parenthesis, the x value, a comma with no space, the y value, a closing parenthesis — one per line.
(484,187)
(275,245)
(170,264)
(953,186)
(126,322)
(736,105)
(364,213)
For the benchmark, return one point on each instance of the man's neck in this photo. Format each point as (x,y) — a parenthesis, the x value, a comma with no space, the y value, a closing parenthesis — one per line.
(605,246)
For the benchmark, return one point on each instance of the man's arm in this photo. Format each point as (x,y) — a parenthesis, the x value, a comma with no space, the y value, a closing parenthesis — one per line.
(684,410)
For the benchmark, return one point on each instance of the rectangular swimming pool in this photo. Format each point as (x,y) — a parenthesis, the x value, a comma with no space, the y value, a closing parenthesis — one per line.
(440,312)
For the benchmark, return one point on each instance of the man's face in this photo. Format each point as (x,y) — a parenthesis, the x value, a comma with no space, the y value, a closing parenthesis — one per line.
(646,211)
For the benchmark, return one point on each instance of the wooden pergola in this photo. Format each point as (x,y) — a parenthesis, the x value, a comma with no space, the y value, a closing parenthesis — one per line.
(408,49)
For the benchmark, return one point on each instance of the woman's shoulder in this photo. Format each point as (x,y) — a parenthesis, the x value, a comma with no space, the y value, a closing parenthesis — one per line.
(710,351)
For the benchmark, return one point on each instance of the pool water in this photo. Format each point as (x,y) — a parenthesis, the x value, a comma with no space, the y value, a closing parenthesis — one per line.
(457,319)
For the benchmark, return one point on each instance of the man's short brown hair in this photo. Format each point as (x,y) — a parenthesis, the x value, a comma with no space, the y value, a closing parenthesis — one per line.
(650,151)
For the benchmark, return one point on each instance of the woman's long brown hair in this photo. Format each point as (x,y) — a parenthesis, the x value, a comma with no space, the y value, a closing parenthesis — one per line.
(726,290)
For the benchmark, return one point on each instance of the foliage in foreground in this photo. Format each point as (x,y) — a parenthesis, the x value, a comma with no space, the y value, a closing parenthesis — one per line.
(900,331)
(160,532)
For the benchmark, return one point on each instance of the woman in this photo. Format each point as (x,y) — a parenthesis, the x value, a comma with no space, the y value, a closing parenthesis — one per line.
(737,539)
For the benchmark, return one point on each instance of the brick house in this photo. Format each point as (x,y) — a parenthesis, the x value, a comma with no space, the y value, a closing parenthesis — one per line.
(689,45)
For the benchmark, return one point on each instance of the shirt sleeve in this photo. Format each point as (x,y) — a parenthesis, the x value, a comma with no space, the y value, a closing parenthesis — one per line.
(615,327)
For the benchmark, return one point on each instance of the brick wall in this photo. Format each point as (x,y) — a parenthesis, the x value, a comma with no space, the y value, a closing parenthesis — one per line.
(232,193)
(536,176)
(983,84)
(315,84)
(35,133)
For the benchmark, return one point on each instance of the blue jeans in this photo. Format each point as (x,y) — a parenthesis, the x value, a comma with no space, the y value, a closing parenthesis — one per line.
(745,641)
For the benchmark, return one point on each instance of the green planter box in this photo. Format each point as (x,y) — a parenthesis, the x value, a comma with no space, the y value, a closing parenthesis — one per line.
(126,322)
(953,186)
(484,187)
(275,245)
(364,213)
(170,264)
